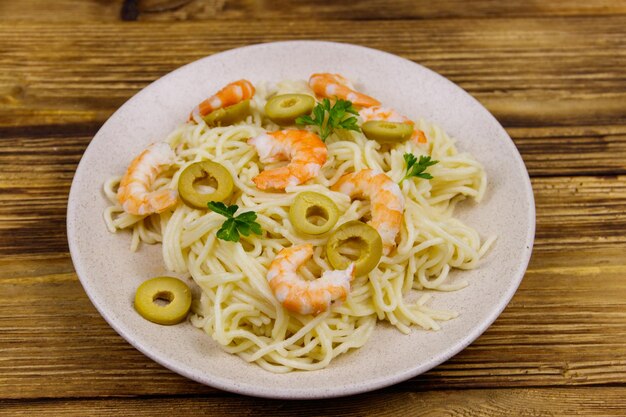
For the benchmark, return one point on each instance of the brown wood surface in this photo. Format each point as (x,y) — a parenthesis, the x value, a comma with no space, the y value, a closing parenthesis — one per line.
(245,10)
(528,402)
(553,73)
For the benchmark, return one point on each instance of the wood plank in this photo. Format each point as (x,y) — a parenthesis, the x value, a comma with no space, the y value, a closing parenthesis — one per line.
(561,328)
(609,401)
(580,212)
(411,9)
(541,72)
(572,150)
(243,10)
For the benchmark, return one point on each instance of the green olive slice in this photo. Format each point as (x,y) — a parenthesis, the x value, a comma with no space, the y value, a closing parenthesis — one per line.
(386,132)
(197,172)
(313,213)
(362,240)
(163,300)
(227,116)
(285,108)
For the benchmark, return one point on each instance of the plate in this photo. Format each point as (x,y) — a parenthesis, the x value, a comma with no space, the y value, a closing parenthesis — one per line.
(110,273)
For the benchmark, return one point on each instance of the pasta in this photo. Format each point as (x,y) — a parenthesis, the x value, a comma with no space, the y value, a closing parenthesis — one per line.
(238,309)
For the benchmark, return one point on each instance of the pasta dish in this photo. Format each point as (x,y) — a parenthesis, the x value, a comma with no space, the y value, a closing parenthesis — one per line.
(306,212)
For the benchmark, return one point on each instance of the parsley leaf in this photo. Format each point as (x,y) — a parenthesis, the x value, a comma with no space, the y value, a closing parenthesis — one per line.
(235,225)
(327,118)
(221,208)
(415,168)
(228,231)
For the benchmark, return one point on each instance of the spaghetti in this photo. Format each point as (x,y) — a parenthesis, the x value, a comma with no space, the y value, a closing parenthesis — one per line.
(237,307)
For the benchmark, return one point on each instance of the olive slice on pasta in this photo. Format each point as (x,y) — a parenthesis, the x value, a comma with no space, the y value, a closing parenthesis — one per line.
(387,132)
(356,242)
(285,108)
(313,213)
(192,177)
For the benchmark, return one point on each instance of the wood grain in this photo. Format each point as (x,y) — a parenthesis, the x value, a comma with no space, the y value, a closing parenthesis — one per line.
(580,212)
(572,150)
(546,72)
(493,403)
(244,10)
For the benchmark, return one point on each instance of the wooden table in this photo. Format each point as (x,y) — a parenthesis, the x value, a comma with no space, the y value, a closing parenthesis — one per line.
(553,73)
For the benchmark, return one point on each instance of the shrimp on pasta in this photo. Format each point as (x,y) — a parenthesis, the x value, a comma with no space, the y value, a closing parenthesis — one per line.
(134,191)
(231,94)
(299,295)
(336,86)
(305,151)
(386,199)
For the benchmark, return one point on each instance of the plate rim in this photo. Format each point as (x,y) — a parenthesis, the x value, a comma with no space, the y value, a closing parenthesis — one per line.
(314,393)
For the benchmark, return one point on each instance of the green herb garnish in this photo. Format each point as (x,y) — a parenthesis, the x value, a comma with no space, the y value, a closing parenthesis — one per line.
(336,118)
(233,226)
(415,168)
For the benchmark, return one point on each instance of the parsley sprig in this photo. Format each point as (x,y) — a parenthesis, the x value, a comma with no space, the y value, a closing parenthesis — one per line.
(233,226)
(336,118)
(415,168)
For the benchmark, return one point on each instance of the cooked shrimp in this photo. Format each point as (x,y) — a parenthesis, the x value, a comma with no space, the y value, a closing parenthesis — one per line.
(386,199)
(390,115)
(383,113)
(305,150)
(335,85)
(134,192)
(302,296)
(419,136)
(231,94)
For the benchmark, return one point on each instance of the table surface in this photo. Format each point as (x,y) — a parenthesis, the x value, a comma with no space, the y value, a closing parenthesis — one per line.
(553,73)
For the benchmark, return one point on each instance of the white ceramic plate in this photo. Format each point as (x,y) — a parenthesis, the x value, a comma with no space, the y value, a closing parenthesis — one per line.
(110,273)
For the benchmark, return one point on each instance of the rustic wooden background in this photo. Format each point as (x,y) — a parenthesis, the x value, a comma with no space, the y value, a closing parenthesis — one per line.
(552,72)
